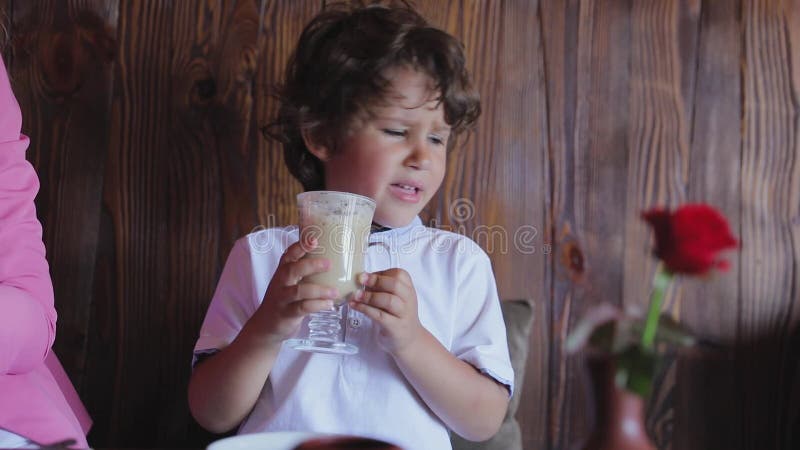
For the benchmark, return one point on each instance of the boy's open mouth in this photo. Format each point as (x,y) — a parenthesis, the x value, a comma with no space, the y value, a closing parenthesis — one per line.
(406,187)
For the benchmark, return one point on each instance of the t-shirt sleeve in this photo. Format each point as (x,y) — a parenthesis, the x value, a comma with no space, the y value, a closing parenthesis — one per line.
(234,302)
(480,332)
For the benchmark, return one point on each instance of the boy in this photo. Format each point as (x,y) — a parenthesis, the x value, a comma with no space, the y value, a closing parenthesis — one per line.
(373,100)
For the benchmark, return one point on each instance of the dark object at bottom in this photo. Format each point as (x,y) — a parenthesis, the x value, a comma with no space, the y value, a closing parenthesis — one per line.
(346,443)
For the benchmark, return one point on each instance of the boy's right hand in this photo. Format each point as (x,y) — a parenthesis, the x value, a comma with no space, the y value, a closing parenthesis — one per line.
(287,301)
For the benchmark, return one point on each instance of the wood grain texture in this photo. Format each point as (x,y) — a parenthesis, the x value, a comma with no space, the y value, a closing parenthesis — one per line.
(710,308)
(138,202)
(589,152)
(6,29)
(145,123)
(658,163)
(789,428)
(520,194)
(566,31)
(769,189)
(275,187)
(212,69)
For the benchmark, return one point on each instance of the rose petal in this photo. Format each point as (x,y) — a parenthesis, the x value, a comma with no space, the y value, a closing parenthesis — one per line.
(689,239)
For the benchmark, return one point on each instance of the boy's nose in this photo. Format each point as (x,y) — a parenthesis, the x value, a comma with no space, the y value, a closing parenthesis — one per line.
(420,157)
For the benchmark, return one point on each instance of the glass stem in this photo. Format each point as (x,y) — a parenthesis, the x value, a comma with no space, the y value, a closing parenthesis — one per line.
(326,325)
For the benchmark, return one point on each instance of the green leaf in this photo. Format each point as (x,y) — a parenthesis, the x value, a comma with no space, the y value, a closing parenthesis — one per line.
(669,332)
(635,370)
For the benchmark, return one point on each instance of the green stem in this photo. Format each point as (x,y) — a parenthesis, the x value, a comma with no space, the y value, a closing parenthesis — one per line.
(660,283)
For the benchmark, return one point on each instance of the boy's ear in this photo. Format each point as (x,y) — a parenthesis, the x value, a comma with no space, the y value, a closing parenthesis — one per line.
(316,149)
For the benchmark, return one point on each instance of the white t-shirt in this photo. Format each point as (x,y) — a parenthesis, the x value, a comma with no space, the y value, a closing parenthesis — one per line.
(366,394)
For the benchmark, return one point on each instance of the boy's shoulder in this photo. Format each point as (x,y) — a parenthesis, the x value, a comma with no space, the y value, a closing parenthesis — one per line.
(445,240)
(445,232)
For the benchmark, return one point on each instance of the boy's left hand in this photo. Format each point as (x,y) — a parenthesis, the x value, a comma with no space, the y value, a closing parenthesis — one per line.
(390,300)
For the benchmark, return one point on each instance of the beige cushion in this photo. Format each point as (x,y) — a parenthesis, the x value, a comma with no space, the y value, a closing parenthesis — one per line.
(517,315)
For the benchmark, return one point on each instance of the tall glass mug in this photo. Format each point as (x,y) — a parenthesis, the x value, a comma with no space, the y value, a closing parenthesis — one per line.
(341,223)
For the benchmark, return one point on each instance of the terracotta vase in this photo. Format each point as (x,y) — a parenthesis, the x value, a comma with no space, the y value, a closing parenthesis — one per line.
(619,414)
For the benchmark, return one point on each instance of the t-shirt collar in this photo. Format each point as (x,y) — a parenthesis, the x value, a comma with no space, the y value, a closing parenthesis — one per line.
(385,233)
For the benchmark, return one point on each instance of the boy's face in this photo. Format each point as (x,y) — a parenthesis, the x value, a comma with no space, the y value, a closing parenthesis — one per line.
(397,156)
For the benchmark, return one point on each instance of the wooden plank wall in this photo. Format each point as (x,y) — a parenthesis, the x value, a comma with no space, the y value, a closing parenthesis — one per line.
(144,119)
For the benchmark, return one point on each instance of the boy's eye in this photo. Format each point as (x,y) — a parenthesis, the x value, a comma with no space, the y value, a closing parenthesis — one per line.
(394,132)
(437,140)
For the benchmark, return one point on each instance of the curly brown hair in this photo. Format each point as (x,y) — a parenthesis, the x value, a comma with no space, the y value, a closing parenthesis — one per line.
(338,70)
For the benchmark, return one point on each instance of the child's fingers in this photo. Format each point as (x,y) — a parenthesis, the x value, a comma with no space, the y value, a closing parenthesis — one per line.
(390,303)
(297,250)
(384,283)
(302,308)
(396,273)
(377,314)
(293,272)
(311,291)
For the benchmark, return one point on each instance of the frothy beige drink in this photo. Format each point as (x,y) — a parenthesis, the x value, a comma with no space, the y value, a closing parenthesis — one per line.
(340,222)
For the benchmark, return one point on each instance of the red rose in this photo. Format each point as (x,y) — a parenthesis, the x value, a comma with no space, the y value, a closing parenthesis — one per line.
(689,239)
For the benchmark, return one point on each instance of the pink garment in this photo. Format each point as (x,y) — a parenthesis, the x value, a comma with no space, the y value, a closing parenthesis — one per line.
(37,401)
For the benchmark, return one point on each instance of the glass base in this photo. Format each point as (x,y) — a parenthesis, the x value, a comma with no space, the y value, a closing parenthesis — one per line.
(320,346)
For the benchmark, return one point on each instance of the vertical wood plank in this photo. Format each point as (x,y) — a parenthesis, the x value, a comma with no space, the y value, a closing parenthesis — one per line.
(464,199)
(238,57)
(770,182)
(564,25)
(62,76)
(790,422)
(444,14)
(517,220)
(589,153)
(283,22)
(658,163)
(710,307)
(137,199)
(212,69)
(659,153)
(5,31)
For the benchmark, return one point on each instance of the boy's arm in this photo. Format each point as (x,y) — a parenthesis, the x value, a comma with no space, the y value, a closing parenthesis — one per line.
(471,404)
(224,388)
